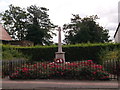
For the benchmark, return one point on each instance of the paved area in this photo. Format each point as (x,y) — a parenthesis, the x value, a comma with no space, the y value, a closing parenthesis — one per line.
(59,85)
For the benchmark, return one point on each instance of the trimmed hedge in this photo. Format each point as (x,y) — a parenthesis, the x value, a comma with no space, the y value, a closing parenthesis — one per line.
(72,52)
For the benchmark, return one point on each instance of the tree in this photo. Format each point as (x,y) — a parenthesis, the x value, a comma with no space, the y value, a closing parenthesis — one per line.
(31,24)
(15,22)
(83,30)
(40,29)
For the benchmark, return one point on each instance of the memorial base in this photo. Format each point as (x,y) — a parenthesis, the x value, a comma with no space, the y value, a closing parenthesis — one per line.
(60,55)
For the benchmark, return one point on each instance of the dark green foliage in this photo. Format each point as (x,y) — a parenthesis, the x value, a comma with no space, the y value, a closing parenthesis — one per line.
(40,54)
(35,34)
(72,52)
(110,58)
(84,30)
(9,53)
(109,54)
(40,30)
(32,24)
(15,22)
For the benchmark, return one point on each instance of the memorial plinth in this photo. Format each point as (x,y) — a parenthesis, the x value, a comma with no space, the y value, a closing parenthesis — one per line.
(60,54)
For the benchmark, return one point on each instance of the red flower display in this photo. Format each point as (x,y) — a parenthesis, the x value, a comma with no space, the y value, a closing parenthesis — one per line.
(82,70)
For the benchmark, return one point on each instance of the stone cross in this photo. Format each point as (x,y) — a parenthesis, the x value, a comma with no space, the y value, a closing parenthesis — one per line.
(60,54)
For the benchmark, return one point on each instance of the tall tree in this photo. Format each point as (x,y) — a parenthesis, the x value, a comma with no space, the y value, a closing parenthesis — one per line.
(31,24)
(40,29)
(83,30)
(15,22)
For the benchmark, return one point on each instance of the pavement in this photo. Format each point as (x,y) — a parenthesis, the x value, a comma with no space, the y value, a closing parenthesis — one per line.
(59,85)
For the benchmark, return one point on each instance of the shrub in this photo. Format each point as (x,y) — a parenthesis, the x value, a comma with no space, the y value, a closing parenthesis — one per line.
(109,54)
(84,70)
(10,53)
(110,58)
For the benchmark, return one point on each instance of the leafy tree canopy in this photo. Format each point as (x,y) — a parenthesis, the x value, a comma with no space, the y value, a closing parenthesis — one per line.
(84,30)
(40,29)
(31,24)
(15,22)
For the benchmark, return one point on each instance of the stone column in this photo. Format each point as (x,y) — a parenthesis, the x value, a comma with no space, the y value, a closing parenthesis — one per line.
(59,40)
(60,54)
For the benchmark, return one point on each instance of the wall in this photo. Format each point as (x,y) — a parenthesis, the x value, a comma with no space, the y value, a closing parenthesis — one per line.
(118,11)
(117,37)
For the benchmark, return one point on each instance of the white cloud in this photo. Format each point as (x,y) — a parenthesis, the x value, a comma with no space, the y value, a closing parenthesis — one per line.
(3,5)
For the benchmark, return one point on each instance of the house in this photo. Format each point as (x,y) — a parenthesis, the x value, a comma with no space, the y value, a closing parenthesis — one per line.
(117,34)
(21,43)
(4,36)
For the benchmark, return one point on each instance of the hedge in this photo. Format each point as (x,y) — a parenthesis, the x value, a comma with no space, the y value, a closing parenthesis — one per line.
(72,52)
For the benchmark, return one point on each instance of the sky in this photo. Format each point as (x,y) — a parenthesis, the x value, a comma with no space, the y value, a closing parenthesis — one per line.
(60,11)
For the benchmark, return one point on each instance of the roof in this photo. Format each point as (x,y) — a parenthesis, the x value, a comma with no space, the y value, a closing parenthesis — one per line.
(4,35)
(117,30)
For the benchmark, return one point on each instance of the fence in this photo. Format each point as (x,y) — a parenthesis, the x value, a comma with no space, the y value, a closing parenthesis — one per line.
(113,67)
(81,70)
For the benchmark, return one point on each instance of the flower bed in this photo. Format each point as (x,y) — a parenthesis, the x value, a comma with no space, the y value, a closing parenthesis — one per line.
(84,70)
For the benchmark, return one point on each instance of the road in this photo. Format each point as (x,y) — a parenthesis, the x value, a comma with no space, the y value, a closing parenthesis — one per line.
(59,84)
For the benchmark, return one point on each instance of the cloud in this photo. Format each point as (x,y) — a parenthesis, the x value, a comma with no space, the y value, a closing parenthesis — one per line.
(3,5)
(61,11)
